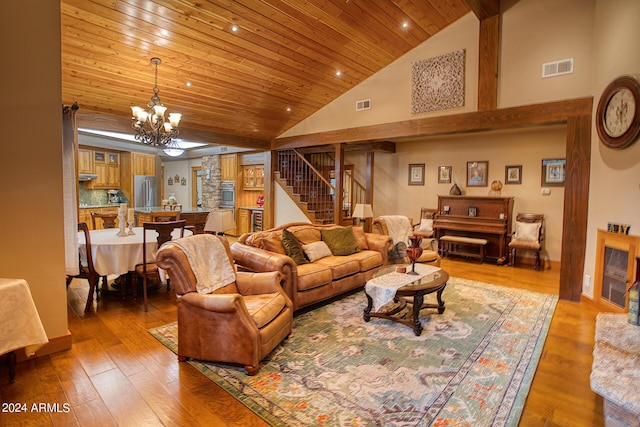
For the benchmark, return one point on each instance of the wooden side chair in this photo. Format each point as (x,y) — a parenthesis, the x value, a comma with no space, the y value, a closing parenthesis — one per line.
(528,236)
(87,272)
(424,227)
(108,219)
(146,269)
(164,216)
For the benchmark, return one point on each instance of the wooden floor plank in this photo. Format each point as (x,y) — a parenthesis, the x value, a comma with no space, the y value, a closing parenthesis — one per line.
(133,379)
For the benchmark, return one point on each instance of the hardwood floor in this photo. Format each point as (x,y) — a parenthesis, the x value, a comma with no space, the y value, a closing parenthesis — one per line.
(118,374)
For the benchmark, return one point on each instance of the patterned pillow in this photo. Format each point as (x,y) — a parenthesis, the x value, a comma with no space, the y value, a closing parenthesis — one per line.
(426,224)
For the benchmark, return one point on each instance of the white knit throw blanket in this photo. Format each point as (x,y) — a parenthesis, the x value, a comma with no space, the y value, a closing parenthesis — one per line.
(399,227)
(209,261)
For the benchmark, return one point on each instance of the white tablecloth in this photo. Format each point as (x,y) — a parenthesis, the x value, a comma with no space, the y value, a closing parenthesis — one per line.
(382,289)
(113,254)
(20,324)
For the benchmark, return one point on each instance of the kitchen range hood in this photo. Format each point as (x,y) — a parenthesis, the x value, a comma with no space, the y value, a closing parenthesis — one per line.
(86,176)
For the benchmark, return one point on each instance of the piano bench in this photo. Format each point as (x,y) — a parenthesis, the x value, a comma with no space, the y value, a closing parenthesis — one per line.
(459,245)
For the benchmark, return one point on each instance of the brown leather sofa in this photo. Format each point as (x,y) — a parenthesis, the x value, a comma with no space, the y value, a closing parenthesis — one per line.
(240,322)
(320,279)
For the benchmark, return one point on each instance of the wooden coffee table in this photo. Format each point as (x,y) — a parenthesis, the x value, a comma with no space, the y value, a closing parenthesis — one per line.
(412,294)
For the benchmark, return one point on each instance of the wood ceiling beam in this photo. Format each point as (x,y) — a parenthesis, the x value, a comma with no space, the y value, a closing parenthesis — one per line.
(484,9)
(480,121)
(370,146)
(92,120)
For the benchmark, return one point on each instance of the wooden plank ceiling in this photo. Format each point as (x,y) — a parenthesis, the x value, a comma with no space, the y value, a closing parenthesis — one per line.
(247,86)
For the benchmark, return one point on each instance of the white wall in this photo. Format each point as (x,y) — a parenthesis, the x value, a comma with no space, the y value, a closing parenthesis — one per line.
(393,195)
(182,168)
(285,210)
(31,163)
(614,194)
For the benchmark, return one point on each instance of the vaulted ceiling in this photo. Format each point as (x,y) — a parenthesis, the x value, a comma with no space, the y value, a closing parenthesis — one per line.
(248,83)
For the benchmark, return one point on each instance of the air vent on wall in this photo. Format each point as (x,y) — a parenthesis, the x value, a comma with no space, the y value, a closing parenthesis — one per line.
(365,104)
(557,68)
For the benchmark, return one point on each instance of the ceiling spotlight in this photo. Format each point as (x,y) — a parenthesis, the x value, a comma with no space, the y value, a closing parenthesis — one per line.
(405,25)
(188,84)
(288,109)
(338,73)
(235,28)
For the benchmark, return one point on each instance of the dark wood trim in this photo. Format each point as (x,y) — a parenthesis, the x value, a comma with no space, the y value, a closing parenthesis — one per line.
(338,173)
(549,113)
(88,119)
(576,206)
(484,9)
(488,63)
(268,214)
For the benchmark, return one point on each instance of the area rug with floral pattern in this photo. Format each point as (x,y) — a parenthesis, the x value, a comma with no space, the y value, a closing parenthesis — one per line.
(471,366)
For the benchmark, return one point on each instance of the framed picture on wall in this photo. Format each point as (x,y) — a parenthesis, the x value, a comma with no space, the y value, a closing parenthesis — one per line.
(553,172)
(477,173)
(416,174)
(444,175)
(513,174)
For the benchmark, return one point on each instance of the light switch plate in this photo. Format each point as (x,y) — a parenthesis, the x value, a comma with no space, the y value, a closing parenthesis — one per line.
(546,191)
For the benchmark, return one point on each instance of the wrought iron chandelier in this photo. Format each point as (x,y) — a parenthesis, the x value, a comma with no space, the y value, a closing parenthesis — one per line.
(151,126)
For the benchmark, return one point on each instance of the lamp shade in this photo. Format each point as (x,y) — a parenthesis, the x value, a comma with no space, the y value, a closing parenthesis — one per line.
(362,211)
(220,220)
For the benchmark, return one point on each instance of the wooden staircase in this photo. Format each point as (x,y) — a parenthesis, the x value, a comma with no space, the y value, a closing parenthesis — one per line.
(307,187)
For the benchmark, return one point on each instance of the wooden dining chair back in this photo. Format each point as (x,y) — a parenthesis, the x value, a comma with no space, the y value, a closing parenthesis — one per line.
(108,219)
(87,272)
(165,216)
(147,269)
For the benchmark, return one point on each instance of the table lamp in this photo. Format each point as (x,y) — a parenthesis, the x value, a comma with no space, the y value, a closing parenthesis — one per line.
(220,220)
(363,211)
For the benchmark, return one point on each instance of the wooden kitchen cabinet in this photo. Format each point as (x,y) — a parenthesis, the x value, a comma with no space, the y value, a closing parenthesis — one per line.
(244,221)
(228,167)
(85,160)
(106,164)
(144,164)
(253,177)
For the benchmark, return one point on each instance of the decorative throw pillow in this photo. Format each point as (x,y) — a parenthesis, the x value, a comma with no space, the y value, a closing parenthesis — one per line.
(316,250)
(527,232)
(293,248)
(426,225)
(340,240)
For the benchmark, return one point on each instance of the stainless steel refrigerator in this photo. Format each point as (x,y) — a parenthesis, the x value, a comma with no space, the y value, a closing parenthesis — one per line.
(145,191)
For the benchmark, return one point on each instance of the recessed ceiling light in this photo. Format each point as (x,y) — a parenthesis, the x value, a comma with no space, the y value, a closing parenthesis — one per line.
(188,84)
(235,28)
(405,25)
(288,109)
(338,73)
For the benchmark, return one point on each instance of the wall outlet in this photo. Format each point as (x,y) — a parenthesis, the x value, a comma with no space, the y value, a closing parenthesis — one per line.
(546,191)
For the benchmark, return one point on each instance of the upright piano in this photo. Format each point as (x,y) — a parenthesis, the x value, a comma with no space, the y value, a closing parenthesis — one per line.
(480,217)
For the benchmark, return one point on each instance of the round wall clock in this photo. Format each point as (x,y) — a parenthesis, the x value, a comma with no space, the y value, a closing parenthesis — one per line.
(618,113)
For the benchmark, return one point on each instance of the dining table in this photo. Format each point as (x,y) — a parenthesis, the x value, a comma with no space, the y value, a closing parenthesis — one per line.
(118,255)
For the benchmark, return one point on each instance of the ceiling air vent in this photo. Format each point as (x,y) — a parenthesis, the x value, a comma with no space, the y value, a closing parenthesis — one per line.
(557,68)
(365,104)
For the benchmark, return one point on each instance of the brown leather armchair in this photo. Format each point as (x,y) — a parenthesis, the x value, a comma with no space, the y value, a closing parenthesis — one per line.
(240,323)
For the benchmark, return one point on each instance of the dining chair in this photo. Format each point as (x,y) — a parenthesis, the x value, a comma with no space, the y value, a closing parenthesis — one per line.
(164,216)
(108,219)
(87,272)
(146,269)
